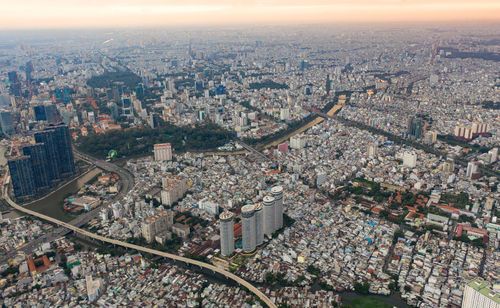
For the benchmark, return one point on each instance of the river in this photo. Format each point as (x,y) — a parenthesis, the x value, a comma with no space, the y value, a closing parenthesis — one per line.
(51,205)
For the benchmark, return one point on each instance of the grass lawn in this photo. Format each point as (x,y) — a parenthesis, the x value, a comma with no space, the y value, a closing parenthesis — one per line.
(369,302)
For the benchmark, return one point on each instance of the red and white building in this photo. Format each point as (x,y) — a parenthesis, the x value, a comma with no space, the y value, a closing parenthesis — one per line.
(162,151)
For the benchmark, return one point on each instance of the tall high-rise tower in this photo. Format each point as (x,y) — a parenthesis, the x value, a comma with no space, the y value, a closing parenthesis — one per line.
(21,174)
(226,234)
(269,213)
(39,164)
(259,224)
(47,137)
(57,143)
(415,128)
(6,123)
(478,293)
(277,192)
(249,233)
(65,150)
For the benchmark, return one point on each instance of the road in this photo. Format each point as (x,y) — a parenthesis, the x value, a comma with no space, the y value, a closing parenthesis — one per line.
(253,152)
(127,183)
(71,227)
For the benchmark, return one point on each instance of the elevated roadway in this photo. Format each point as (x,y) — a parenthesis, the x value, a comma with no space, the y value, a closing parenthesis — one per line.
(127,183)
(86,233)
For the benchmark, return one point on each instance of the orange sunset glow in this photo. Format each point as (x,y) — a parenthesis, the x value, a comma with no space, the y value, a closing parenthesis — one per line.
(32,14)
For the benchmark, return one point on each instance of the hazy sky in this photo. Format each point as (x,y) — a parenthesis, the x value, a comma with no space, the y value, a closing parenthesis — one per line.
(28,14)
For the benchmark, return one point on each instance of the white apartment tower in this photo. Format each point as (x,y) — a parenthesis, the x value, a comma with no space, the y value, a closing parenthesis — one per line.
(479,294)
(410,159)
(226,234)
(249,232)
(471,169)
(372,150)
(269,213)
(259,224)
(277,192)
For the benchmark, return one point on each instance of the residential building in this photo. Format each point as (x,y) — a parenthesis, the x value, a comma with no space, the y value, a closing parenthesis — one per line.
(163,152)
(21,174)
(277,192)
(181,230)
(269,212)
(479,294)
(249,228)
(226,234)
(39,163)
(410,159)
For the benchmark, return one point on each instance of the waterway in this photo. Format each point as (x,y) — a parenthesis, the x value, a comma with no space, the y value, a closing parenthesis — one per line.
(51,205)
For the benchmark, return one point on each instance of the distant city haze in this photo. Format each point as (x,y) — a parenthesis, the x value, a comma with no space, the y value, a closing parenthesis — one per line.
(38,14)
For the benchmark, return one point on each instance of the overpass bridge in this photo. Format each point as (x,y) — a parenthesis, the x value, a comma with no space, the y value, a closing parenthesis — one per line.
(126,180)
(86,233)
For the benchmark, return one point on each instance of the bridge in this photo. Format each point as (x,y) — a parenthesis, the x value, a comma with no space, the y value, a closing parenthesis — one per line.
(258,155)
(128,180)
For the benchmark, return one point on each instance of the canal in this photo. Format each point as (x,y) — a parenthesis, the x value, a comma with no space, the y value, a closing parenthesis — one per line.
(51,204)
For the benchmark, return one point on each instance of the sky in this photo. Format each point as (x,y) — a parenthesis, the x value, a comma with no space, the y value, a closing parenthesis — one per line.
(48,14)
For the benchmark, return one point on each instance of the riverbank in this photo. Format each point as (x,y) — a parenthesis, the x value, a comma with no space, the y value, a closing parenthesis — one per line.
(50,204)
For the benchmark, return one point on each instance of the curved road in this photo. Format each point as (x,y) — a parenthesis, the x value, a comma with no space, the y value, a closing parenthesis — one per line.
(128,182)
(226,274)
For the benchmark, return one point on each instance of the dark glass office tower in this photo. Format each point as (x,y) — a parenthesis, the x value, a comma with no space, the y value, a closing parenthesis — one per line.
(15,84)
(47,137)
(39,163)
(6,122)
(64,149)
(415,128)
(51,113)
(57,144)
(39,112)
(21,174)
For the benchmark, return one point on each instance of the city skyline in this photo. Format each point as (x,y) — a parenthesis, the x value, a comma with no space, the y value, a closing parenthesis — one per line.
(27,14)
(212,164)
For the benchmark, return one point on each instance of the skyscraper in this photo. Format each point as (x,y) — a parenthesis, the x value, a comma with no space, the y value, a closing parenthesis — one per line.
(269,213)
(39,164)
(39,111)
(226,234)
(50,148)
(28,71)
(472,169)
(57,143)
(21,174)
(479,294)
(249,232)
(328,84)
(64,149)
(259,224)
(15,84)
(51,113)
(6,122)
(415,128)
(277,192)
